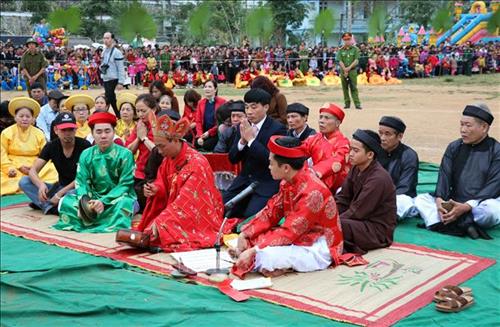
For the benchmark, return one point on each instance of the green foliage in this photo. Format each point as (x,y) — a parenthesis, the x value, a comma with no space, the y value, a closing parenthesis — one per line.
(179,20)
(442,20)
(135,20)
(420,11)
(92,12)
(494,22)
(227,21)
(39,9)
(259,24)
(198,22)
(69,19)
(8,5)
(377,21)
(324,23)
(286,13)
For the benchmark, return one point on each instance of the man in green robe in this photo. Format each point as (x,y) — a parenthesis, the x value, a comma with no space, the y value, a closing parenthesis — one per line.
(106,175)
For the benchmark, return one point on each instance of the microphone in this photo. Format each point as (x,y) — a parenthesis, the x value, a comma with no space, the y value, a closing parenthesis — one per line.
(243,194)
(228,208)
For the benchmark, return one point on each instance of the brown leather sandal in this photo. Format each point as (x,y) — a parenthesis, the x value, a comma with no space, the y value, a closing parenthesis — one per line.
(451,291)
(455,304)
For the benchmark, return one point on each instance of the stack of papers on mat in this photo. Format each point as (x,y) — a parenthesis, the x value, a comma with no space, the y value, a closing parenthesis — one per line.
(202,260)
(251,284)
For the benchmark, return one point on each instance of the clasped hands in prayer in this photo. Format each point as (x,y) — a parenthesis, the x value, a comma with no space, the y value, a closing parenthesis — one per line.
(142,130)
(458,210)
(247,132)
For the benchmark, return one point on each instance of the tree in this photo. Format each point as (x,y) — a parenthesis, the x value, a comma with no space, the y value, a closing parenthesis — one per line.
(420,11)
(179,22)
(92,13)
(377,21)
(198,22)
(69,19)
(494,22)
(8,5)
(442,20)
(259,24)
(135,20)
(39,9)
(286,13)
(324,23)
(228,20)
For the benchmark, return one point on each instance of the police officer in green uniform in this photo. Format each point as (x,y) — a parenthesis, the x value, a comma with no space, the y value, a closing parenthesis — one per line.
(348,58)
(33,65)
(468,57)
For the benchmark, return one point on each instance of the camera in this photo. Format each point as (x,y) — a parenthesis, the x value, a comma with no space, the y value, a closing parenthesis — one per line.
(104,68)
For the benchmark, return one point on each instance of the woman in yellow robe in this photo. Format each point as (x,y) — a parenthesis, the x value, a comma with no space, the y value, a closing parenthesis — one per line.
(285,82)
(21,144)
(362,79)
(331,79)
(126,104)
(312,80)
(376,79)
(239,82)
(80,105)
(299,79)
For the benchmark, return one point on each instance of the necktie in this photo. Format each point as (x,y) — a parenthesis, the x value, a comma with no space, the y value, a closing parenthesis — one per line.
(255,129)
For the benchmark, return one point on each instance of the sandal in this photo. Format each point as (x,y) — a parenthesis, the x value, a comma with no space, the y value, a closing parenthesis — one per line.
(455,304)
(451,291)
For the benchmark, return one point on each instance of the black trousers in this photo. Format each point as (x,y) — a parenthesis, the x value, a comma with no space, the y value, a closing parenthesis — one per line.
(109,92)
(139,191)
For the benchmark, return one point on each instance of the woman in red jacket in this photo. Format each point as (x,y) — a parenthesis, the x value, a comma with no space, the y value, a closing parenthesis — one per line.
(206,122)
(191,99)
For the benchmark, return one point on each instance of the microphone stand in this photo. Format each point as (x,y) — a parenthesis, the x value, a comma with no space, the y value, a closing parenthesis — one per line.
(217,273)
(217,246)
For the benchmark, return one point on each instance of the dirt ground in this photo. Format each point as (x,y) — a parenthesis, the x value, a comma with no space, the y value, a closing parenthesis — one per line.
(431,108)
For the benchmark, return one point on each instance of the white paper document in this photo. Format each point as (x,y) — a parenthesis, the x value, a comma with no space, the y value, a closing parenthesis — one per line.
(251,284)
(202,260)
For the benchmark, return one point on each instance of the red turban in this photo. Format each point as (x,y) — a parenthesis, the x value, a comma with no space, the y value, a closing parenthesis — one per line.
(102,118)
(283,151)
(334,110)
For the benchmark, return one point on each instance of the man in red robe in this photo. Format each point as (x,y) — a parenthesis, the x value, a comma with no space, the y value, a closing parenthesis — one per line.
(330,158)
(310,237)
(184,209)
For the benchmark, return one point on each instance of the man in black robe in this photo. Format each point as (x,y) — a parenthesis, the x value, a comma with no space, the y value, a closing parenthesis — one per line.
(467,196)
(296,117)
(401,162)
(367,200)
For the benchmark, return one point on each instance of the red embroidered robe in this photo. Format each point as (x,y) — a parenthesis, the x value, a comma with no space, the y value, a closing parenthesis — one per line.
(330,156)
(187,209)
(310,212)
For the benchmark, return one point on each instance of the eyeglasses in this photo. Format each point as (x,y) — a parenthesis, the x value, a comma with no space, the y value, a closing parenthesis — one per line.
(79,110)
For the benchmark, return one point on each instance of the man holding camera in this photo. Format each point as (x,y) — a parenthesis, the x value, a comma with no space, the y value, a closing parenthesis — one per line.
(112,69)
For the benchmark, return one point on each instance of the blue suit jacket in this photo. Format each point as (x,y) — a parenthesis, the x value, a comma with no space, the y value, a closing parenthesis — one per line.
(255,160)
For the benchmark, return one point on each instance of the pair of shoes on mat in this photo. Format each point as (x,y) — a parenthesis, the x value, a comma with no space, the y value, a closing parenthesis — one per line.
(451,298)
